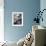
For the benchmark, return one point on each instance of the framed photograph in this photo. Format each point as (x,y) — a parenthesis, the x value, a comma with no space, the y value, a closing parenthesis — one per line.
(17,18)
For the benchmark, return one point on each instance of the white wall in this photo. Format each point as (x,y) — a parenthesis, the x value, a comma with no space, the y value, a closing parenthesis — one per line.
(1,20)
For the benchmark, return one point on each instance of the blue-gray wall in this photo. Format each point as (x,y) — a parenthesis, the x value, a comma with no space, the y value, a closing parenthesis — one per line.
(43,6)
(29,8)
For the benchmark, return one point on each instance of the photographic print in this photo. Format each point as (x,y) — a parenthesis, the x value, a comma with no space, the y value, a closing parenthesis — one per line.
(17,18)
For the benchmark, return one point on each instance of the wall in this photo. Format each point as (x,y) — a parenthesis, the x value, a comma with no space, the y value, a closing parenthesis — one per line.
(43,6)
(1,21)
(28,7)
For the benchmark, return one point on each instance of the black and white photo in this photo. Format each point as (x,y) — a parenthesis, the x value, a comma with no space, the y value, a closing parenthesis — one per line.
(17,18)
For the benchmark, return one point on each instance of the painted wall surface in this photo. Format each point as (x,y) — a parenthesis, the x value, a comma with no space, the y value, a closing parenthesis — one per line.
(28,7)
(43,6)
